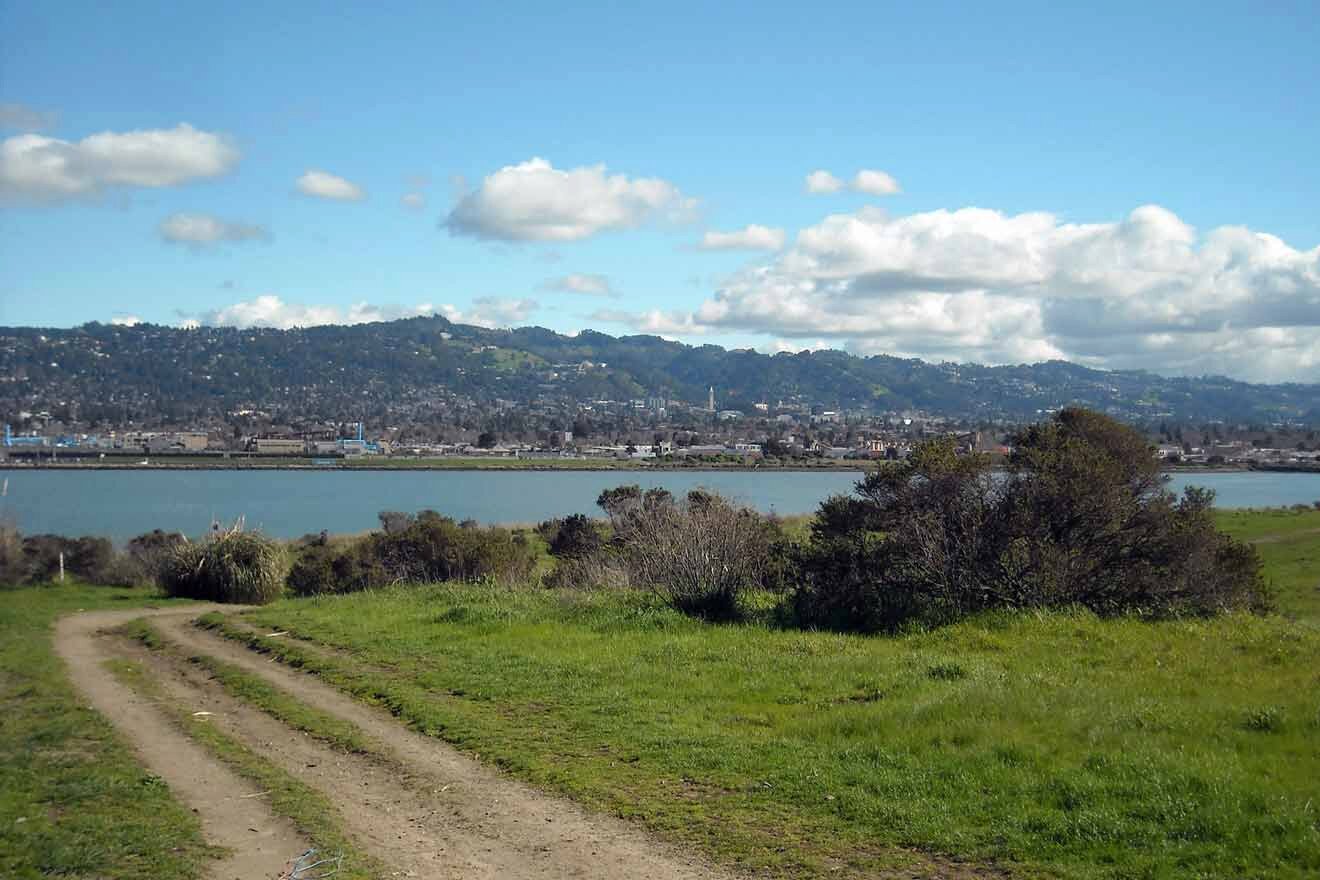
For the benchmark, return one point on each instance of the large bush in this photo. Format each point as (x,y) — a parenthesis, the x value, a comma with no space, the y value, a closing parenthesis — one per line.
(1080,518)
(232,566)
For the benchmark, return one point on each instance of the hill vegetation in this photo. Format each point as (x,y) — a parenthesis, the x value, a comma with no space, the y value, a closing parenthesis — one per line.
(420,368)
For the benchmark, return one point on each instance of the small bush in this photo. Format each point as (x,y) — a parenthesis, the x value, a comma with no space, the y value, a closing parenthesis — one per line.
(426,548)
(88,559)
(574,537)
(700,554)
(149,552)
(233,566)
(1266,719)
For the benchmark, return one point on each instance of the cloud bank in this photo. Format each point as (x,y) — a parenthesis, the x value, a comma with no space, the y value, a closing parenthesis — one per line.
(36,168)
(534,201)
(980,285)
(272,311)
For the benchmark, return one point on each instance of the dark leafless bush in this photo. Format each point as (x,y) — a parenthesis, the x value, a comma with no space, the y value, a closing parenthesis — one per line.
(699,554)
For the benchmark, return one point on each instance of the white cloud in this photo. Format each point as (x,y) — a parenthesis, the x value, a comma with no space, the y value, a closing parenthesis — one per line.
(655,321)
(493,311)
(591,285)
(534,201)
(822,182)
(272,311)
(125,321)
(24,118)
(37,168)
(876,183)
(414,201)
(324,185)
(976,284)
(201,230)
(749,238)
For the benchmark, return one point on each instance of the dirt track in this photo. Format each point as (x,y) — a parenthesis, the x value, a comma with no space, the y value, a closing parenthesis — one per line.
(416,804)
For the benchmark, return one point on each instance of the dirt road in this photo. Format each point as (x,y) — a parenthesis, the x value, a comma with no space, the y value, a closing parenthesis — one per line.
(413,802)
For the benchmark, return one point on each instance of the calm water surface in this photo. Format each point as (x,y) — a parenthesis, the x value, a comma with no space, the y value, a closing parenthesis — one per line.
(120,504)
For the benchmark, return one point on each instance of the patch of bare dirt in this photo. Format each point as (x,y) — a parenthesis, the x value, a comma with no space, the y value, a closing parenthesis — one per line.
(259,842)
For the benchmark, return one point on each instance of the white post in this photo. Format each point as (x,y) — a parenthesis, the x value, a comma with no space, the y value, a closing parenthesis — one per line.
(61,566)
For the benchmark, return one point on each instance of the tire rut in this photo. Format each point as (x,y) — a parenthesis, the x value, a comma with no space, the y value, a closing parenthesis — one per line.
(426,808)
(258,842)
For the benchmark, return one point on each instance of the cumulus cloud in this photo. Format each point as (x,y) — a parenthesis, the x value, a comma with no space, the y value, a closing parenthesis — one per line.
(976,284)
(822,182)
(534,201)
(413,201)
(24,118)
(37,168)
(869,181)
(324,185)
(875,183)
(591,285)
(203,230)
(272,311)
(749,238)
(125,321)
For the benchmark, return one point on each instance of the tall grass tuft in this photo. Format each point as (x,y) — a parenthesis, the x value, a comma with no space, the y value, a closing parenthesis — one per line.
(232,566)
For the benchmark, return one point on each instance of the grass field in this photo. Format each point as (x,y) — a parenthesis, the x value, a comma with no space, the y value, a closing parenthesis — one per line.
(1059,744)
(73,801)
(1049,744)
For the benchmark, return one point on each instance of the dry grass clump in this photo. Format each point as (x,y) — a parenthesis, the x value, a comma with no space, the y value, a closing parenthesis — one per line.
(232,566)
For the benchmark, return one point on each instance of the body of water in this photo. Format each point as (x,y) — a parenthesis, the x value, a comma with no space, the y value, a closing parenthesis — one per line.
(121,504)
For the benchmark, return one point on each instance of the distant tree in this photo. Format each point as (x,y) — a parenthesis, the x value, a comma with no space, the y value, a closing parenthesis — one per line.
(487,440)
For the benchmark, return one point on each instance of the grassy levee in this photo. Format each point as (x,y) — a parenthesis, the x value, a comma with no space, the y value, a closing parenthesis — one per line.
(73,801)
(1054,743)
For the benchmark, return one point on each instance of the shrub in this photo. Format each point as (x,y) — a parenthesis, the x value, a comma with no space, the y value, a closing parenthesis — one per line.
(86,558)
(148,553)
(428,548)
(1081,518)
(230,566)
(574,537)
(700,555)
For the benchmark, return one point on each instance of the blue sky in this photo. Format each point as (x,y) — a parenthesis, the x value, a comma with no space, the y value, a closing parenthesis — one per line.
(1124,187)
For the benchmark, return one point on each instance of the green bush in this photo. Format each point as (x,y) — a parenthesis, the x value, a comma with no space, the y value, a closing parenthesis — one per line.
(233,566)
(574,537)
(1081,518)
(426,548)
(86,558)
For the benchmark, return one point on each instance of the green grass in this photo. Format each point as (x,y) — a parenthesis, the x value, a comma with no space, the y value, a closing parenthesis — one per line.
(309,810)
(1289,544)
(1059,743)
(260,694)
(73,801)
